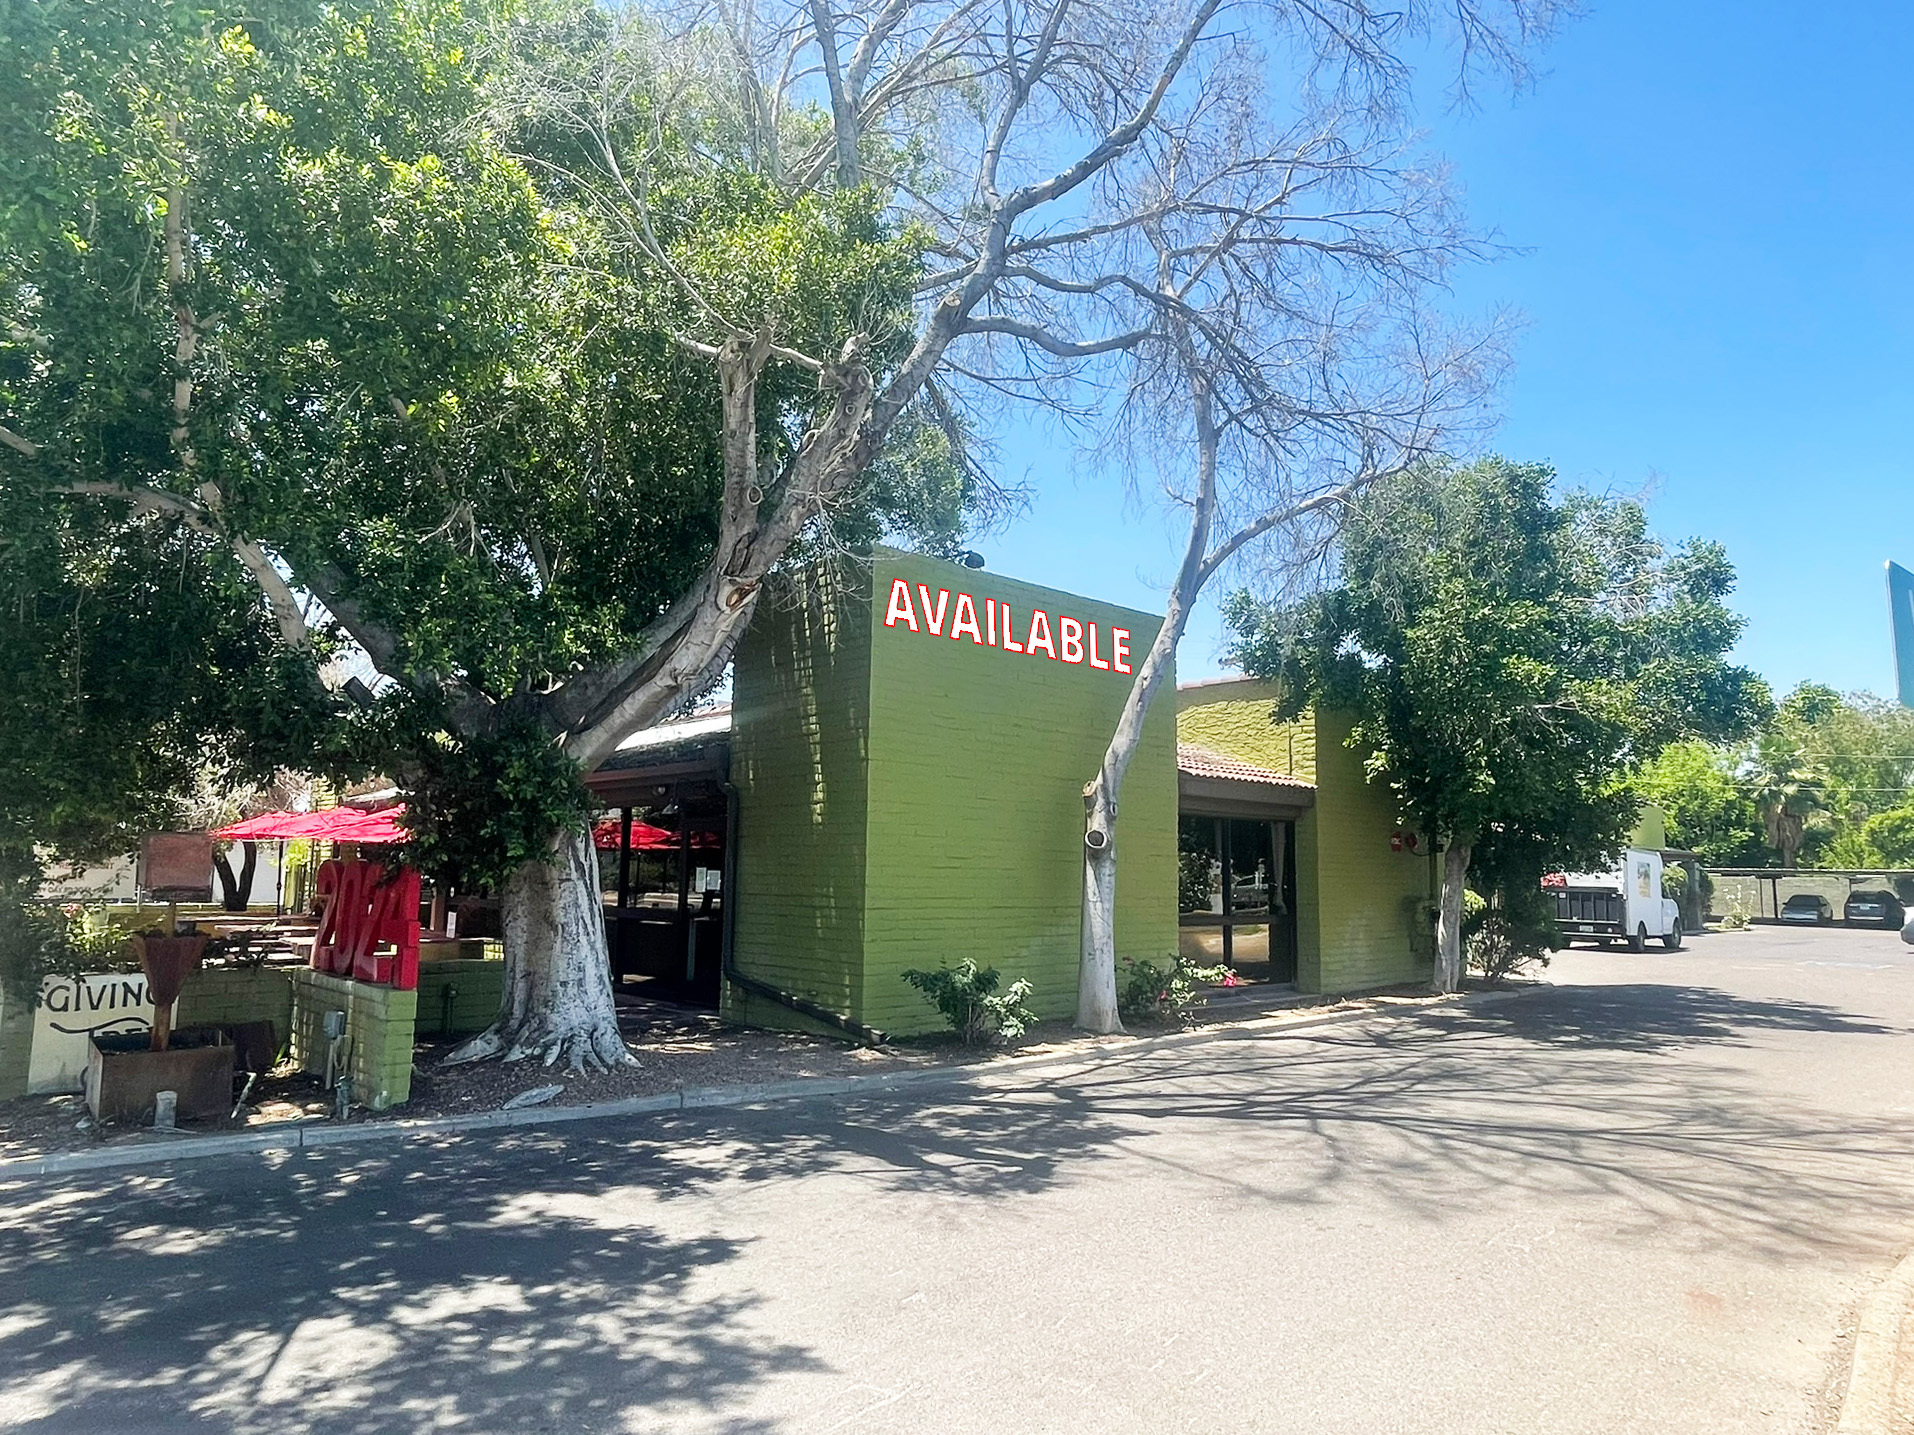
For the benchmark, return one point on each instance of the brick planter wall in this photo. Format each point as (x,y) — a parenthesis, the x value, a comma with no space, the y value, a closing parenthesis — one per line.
(380,1023)
(16,1046)
(475,986)
(228,996)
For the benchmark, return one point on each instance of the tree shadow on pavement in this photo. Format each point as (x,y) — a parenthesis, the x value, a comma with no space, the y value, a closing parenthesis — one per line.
(567,1279)
(1653,1016)
(332,1292)
(545,1280)
(1567,1093)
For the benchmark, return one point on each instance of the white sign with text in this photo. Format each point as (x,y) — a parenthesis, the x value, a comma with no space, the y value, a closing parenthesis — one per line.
(74,1008)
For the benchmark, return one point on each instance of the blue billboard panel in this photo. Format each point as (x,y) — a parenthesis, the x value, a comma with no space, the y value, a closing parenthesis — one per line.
(1900,601)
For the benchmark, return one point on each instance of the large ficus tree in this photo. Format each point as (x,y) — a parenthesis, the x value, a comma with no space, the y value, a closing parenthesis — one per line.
(285,310)
(522,344)
(1510,657)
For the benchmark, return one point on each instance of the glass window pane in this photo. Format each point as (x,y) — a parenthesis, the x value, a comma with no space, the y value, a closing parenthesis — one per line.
(1250,865)
(1199,886)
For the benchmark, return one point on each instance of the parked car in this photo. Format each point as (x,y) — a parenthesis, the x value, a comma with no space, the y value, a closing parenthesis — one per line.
(1808,909)
(1873,909)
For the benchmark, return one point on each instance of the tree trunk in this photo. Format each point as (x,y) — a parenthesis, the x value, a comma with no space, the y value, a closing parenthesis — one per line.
(228,883)
(236,892)
(1096,967)
(248,869)
(1455,874)
(557,1005)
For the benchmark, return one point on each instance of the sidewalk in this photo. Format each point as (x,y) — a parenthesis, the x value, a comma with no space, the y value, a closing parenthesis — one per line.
(148,1147)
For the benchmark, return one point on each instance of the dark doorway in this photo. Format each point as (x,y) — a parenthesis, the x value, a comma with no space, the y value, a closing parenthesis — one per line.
(1236,891)
(661,868)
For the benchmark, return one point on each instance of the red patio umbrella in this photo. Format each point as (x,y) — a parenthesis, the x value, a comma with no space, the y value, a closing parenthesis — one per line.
(646,838)
(335,824)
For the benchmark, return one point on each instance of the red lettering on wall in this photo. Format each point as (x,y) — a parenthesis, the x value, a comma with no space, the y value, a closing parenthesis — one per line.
(964,620)
(1040,634)
(900,608)
(1070,635)
(1070,640)
(368,906)
(934,621)
(1011,645)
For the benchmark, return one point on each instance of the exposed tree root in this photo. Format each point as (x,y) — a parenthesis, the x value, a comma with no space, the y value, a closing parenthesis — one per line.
(591,1049)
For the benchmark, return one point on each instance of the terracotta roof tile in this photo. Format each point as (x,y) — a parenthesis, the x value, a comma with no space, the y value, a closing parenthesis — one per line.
(1204,762)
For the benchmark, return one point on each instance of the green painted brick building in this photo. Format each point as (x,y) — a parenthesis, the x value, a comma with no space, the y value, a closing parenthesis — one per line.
(910,788)
(898,785)
(1361,880)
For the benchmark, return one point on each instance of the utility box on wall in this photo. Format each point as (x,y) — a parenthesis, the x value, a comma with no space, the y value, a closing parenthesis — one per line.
(910,743)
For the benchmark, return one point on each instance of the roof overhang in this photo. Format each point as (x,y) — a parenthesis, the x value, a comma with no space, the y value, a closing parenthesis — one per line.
(1216,784)
(1233,797)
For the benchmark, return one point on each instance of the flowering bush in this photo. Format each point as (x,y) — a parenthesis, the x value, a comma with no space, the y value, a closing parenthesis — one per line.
(1149,991)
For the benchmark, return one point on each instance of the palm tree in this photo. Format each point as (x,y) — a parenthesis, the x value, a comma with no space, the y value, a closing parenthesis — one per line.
(1787,790)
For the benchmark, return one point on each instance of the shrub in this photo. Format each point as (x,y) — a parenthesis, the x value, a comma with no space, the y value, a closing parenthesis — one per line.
(1149,991)
(1515,932)
(967,996)
(40,939)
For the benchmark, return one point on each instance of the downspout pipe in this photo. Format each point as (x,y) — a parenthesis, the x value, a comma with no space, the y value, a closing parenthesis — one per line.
(868,1035)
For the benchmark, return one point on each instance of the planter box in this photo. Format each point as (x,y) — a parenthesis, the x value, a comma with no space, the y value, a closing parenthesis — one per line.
(123,1075)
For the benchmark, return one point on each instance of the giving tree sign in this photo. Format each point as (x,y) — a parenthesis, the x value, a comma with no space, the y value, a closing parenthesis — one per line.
(71,1010)
(993,624)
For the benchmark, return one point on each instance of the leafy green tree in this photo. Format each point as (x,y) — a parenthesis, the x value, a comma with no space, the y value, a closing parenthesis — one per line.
(1509,657)
(128,668)
(1708,807)
(1861,750)
(292,295)
(1891,835)
(1787,791)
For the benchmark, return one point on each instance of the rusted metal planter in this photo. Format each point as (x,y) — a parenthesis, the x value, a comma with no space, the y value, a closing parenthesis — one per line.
(124,1074)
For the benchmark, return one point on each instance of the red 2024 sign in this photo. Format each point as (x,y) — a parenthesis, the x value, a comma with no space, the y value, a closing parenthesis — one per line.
(997,626)
(369,907)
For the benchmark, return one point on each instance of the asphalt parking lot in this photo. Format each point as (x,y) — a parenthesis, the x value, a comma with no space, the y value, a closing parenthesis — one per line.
(1646,1198)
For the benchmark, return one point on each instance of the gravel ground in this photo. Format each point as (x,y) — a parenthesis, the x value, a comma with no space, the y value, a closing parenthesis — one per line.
(677,1048)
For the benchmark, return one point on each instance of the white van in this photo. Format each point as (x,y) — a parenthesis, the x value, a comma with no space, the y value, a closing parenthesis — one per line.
(1623,905)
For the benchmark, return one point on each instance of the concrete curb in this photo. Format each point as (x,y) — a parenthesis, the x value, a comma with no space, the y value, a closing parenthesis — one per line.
(1880,1394)
(301,1135)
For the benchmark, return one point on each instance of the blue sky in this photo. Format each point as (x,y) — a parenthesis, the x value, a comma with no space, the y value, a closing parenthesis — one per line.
(1716,208)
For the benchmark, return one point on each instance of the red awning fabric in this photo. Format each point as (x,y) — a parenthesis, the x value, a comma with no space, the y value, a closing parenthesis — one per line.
(335,824)
(646,838)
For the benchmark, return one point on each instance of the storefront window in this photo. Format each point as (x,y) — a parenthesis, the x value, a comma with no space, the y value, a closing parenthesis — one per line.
(1247,921)
(1199,884)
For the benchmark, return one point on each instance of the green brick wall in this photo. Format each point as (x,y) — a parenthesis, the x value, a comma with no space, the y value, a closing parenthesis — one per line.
(978,761)
(459,996)
(908,800)
(16,1046)
(1234,718)
(800,741)
(1358,902)
(226,996)
(380,1021)
(1360,930)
